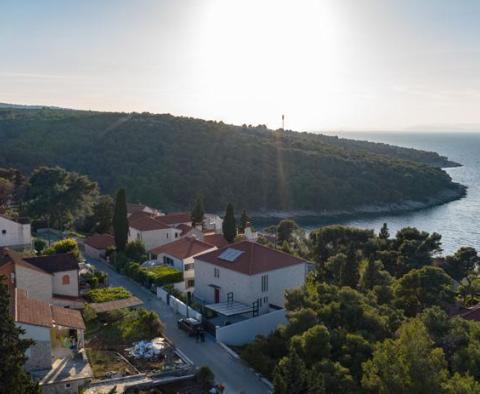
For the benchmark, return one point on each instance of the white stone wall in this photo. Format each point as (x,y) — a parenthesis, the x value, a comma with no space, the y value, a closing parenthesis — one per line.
(154,238)
(68,290)
(14,234)
(245,331)
(38,284)
(40,354)
(247,289)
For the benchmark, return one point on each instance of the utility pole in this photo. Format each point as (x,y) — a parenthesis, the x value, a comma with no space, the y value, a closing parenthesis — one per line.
(283,122)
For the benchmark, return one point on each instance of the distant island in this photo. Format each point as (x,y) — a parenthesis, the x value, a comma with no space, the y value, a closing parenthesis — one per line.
(166,161)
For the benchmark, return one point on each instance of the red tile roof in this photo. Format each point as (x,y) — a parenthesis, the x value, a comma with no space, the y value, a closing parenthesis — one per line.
(108,306)
(183,248)
(254,258)
(32,311)
(39,313)
(216,239)
(185,228)
(177,218)
(147,222)
(67,317)
(100,241)
(55,262)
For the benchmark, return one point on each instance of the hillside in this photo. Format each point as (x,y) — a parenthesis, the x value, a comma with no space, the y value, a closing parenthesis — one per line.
(165,161)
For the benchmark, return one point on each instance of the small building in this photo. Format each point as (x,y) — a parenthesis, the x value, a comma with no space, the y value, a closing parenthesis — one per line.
(181,255)
(152,230)
(15,234)
(248,273)
(213,222)
(215,239)
(134,208)
(176,218)
(96,245)
(64,269)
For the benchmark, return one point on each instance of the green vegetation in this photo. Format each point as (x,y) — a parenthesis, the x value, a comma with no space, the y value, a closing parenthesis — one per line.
(120,328)
(158,276)
(372,317)
(108,294)
(68,245)
(163,160)
(13,377)
(120,221)
(198,212)
(229,225)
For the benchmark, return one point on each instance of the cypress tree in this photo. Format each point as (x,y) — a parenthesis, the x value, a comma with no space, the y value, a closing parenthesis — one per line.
(198,211)
(120,220)
(384,233)
(229,225)
(13,377)
(349,274)
(244,220)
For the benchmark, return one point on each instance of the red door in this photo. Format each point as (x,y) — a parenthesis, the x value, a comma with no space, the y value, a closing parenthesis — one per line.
(217,295)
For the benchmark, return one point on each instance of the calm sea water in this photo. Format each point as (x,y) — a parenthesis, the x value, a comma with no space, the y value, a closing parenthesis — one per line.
(459,221)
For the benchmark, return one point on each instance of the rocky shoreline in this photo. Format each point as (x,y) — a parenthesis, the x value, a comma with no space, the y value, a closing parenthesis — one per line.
(443,197)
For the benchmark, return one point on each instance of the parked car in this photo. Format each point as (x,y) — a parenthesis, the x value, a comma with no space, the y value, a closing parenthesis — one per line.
(190,325)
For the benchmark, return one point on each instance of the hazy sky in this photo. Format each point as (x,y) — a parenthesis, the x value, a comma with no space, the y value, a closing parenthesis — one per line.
(326,64)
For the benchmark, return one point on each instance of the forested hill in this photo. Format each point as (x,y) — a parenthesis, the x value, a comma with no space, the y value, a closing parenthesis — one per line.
(166,161)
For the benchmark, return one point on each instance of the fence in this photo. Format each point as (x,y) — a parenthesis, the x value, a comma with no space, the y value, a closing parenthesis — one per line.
(245,331)
(177,305)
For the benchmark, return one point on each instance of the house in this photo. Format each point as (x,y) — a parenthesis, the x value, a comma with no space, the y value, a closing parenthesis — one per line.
(96,245)
(151,229)
(248,274)
(64,269)
(215,239)
(52,279)
(177,218)
(15,235)
(133,208)
(57,358)
(180,254)
(213,222)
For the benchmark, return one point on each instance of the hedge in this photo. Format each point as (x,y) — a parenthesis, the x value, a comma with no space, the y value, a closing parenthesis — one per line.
(159,276)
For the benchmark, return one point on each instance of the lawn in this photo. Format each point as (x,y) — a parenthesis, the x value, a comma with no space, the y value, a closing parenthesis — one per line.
(108,294)
(105,361)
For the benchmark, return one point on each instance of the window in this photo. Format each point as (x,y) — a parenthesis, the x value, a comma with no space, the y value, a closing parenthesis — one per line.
(167,235)
(4,231)
(264,283)
(139,236)
(176,235)
(65,280)
(188,267)
(216,273)
(167,260)
(190,283)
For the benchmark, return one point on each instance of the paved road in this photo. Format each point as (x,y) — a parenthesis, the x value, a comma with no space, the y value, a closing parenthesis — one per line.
(229,371)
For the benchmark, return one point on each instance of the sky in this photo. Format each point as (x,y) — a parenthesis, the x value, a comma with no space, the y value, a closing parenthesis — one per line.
(326,64)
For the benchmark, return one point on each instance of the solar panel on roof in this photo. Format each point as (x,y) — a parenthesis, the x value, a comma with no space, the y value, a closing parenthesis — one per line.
(230,254)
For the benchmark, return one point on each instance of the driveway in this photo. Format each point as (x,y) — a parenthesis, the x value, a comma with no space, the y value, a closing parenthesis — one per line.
(231,372)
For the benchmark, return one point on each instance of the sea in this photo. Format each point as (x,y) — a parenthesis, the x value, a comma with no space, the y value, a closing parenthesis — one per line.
(458,221)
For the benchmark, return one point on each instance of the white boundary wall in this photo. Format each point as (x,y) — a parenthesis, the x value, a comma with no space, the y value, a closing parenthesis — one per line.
(177,305)
(245,331)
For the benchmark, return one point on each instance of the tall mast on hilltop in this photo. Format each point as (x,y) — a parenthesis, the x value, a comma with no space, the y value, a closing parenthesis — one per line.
(283,122)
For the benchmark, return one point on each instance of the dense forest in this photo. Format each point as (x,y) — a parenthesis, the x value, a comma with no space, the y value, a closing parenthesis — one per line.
(378,314)
(166,161)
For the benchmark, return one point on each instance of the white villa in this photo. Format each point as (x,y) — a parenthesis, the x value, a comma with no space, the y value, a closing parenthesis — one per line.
(14,234)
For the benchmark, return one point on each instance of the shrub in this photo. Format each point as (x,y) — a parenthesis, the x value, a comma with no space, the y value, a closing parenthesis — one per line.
(39,245)
(108,294)
(205,377)
(68,245)
(135,251)
(89,313)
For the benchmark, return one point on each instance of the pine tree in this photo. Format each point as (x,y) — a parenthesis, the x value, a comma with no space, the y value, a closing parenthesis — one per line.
(349,274)
(229,226)
(198,212)
(369,276)
(244,220)
(290,375)
(13,377)
(120,220)
(384,233)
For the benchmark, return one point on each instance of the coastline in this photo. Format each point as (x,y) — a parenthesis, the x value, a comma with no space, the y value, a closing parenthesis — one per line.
(444,197)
